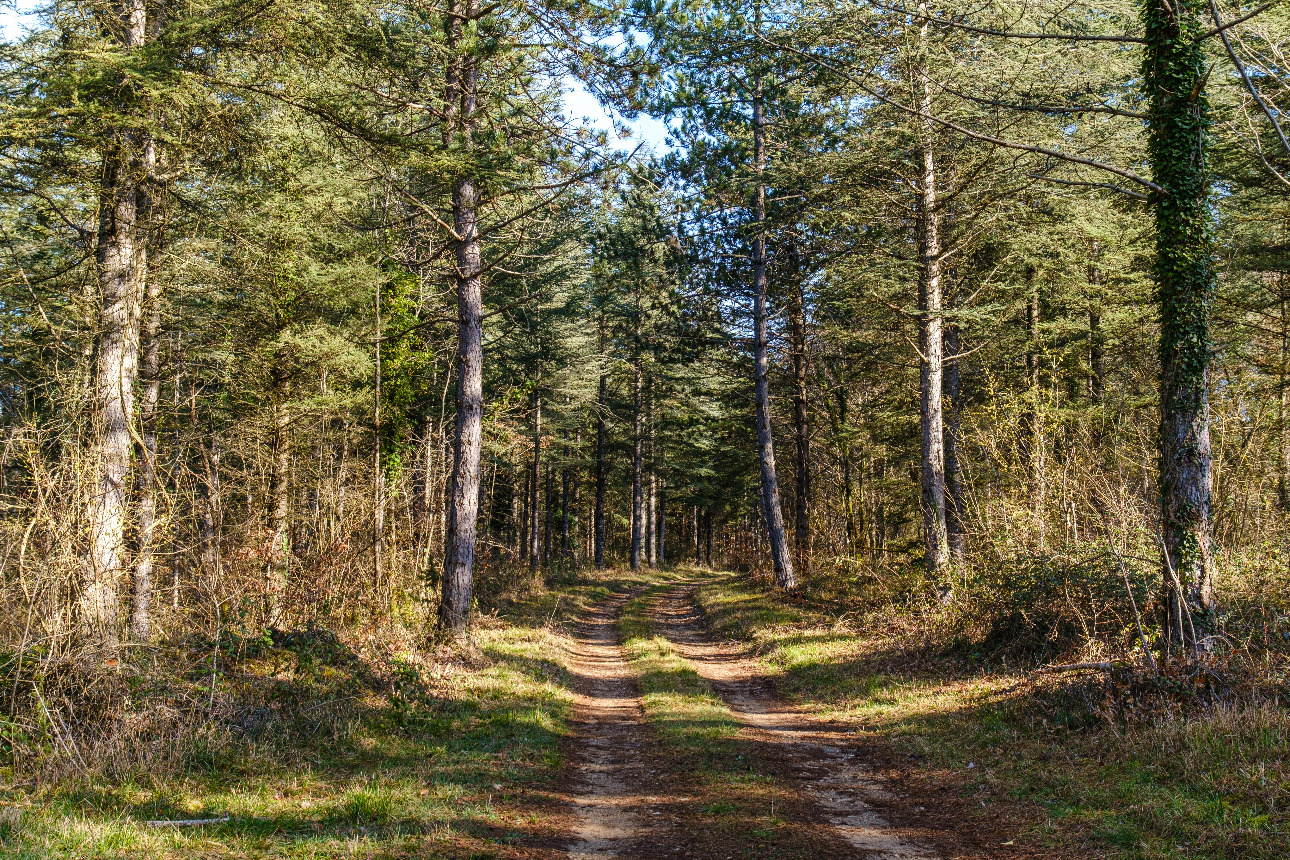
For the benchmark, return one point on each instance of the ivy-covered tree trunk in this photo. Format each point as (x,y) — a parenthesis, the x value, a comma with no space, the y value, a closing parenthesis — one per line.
(1174,78)
(463,503)
(121,257)
(772,512)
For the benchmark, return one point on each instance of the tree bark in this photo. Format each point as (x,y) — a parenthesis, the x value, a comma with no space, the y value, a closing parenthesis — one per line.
(1034,413)
(146,483)
(1174,77)
(801,426)
(955,489)
(463,506)
(566,490)
(1096,339)
(601,397)
(121,255)
(931,344)
(548,519)
(651,518)
(638,468)
(773,514)
(535,493)
(279,507)
(212,515)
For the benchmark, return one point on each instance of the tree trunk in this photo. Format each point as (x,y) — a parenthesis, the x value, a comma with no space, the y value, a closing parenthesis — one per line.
(1283,395)
(651,518)
(378,474)
(150,372)
(931,344)
(1096,339)
(463,505)
(1034,413)
(548,510)
(955,490)
(176,457)
(212,525)
(781,559)
(1174,79)
(698,544)
(707,548)
(121,255)
(801,427)
(535,493)
(638,477)
(566,491)
(662,525)
(279,509)
(422,494)
(601,396)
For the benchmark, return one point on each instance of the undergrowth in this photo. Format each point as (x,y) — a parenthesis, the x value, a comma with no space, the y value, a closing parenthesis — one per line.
(313,742)
(1116,764)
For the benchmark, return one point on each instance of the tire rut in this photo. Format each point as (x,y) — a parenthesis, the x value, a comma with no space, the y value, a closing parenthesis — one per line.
(809,754)
(613,789)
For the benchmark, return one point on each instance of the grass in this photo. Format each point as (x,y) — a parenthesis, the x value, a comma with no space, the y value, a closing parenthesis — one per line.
(453,756)
(1204,785)
(680,705)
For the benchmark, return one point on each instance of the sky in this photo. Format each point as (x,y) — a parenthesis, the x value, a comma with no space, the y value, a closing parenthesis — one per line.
(579,103)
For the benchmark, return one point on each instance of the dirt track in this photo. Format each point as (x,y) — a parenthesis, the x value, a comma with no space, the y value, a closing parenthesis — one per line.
(631,798)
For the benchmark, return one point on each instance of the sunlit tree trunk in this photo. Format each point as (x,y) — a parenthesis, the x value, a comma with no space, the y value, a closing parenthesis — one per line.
(772,513)
(279,505)
(599,517)
(651,514)
(801,426)
(121,254)
(638,476)
(955,488)
(463,502)
(146,483)
(931,344)
(535,492)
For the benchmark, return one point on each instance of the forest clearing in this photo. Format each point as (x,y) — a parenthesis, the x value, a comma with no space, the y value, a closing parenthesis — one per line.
(864,433)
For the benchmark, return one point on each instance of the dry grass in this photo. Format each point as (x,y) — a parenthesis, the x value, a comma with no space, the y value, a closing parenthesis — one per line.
(322,746)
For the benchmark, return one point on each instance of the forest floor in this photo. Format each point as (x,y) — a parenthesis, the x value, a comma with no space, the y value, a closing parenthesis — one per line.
(683,714)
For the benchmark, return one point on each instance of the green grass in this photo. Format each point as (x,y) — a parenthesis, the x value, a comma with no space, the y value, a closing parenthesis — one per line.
(680,705)
(455,759)
(1213,785)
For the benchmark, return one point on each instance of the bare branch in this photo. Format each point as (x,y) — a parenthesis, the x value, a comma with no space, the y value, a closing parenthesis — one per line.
(1221,27)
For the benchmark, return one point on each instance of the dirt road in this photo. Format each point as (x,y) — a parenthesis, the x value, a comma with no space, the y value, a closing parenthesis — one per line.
(632,798)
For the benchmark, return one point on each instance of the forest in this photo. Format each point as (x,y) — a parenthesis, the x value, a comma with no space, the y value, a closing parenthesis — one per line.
(394,463)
